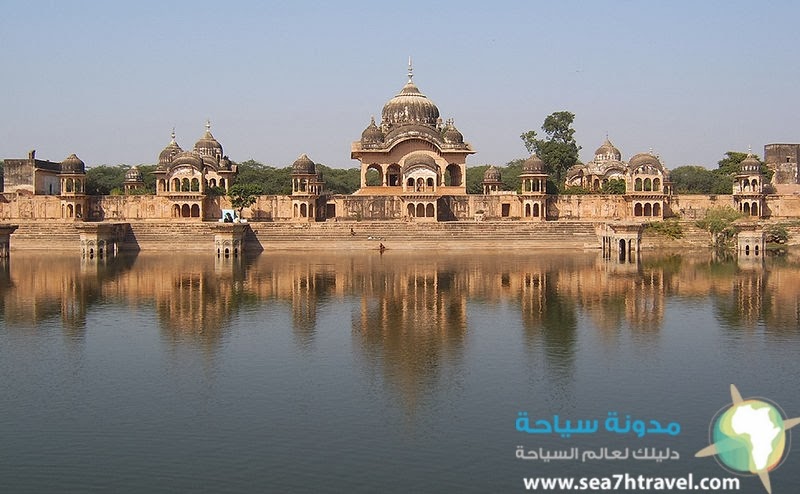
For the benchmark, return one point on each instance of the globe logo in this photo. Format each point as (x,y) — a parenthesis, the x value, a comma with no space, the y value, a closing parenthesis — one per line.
(749,437)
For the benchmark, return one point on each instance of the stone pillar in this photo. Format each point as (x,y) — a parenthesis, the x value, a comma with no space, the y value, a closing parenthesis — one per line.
(101,240)
(621,240)
(229,239)
(751,243)
(5,239)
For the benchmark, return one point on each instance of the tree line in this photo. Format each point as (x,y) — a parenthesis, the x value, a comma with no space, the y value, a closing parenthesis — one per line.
(556,147)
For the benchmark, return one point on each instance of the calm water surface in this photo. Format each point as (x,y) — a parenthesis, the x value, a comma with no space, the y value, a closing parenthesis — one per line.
(338,372)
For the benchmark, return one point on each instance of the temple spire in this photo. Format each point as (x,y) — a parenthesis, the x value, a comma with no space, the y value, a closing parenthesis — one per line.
(410,70)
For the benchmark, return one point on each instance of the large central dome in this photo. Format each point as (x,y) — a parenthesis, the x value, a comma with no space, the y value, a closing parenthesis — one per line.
(410,107)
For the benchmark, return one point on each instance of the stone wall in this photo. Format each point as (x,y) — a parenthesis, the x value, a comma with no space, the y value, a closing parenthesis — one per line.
(14,206)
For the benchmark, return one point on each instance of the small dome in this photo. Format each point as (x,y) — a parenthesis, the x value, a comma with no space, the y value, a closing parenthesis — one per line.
(372,134)
(650,162)
(207,145)
(452,135)
(169,152)
(491,174)
(420,158)
(303,166)
(410,106)
(607,152)
(134,175)
(750,164)
(190,158)
(534,164)
(73,164)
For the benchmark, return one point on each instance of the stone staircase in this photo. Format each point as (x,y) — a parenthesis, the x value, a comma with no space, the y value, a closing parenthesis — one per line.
(50,236)
(170,235)
(419,235)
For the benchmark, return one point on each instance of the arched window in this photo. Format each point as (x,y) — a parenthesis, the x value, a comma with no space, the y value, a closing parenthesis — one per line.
(637,209)
(185,211)
(70,211)
(222,183)
(657,209)
(420,210)
(296,211)
(648,209)
(176,211)
(637,185)
(430,181)
(303,210)
(746,208)
(195,211)
(754,209)
(454,173)
(648,184)
(535,210)
(527,210)
(195,185)
(411,209)
(429,211)
(656,184)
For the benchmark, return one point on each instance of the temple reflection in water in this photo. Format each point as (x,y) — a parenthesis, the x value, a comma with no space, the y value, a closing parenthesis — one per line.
(409,315)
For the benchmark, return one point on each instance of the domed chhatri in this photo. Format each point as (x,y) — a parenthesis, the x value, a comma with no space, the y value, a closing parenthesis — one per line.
(750,164)
(169,152)
(451,134)
(207,145)
(410,106)
(412,151)
(492,174)
(372,134)
(607,152)
(134,175)
(303,166)
(534,164)
(73,164)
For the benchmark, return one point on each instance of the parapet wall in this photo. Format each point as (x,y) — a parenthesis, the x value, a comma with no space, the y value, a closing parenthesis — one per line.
(502,206)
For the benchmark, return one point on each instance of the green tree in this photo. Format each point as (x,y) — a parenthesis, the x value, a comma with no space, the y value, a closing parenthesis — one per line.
(475,178)
(510,173)
(692,179)
(148,177)
(559,151)
(340,181)
(614,186)
(105,180)
(719,222)
(244,195)
(277,181)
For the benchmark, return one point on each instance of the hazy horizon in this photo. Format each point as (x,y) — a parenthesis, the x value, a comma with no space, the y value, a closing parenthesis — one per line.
(109,82)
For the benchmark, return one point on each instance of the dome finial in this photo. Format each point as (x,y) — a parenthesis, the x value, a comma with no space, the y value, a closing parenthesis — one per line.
(410,70)
(173,134)
(208,125)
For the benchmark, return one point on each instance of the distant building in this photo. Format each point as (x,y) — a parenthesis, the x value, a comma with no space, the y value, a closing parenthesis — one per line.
(184,177)
(647,183)
(416,156)
(783,160)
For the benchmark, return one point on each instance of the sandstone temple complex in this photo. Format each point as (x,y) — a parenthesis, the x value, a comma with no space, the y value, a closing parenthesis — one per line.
(413,169)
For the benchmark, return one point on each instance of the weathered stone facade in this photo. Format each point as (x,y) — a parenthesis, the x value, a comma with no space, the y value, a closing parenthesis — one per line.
(420,165)
(782,159)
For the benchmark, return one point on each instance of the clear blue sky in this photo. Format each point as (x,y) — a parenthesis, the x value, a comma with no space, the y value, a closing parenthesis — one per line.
(109,80)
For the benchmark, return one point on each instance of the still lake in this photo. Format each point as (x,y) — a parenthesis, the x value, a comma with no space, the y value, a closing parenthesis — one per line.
(360,372)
